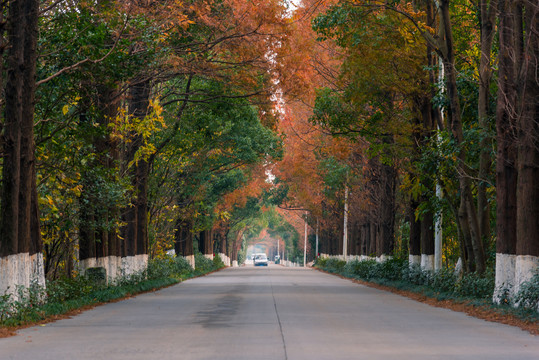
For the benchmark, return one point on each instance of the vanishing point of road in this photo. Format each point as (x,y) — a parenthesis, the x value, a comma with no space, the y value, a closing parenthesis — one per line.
(270,313)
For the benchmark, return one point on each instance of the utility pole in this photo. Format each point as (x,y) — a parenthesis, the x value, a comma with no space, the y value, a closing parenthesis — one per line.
(305,244)
(345,232)
(317,224)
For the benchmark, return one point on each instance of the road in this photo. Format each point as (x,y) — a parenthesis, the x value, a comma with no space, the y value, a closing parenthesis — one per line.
(270,313)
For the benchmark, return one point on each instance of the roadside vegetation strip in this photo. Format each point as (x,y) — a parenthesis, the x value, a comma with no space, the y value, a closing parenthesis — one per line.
(469,293)
(67,297)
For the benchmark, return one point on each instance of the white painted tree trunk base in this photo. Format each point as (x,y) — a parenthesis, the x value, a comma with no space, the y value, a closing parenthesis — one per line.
(208,256)
(427,262)
(225,259)
(21,270)
(511,272)
(525,268)
(383,258)
(505,277)
(235,263)
(414,260)
(191,260)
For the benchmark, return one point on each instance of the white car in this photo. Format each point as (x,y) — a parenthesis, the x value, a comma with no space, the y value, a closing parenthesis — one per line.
(260,260)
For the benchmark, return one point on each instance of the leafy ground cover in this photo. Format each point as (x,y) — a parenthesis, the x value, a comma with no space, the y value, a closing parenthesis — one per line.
(468,293)
(66,297)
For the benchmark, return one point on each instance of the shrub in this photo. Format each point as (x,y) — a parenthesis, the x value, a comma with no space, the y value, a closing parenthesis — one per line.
(205,265)
(332,265)
(476,286)
(168,267)
(414,275)
(362,269)
(97,274)
(23,306)
(391,269)
(444,281)
(218,262)
(528,294)
(65,289)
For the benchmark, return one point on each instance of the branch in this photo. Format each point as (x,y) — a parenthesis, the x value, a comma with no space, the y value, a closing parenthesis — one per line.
(87,60)
(177,125)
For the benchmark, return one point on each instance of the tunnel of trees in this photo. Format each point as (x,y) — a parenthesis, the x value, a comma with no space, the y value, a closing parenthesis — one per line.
(131,128)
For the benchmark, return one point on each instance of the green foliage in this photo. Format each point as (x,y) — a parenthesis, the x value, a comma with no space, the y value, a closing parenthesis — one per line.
(332,112)
(26,305)
(176,267)
(331,265)
(371,269)
(474,285)
(528,294)
(66,289)
(398,270)
(361,269)
(214,146)
(218,262)
(444,280)
(335,175)
(204,265)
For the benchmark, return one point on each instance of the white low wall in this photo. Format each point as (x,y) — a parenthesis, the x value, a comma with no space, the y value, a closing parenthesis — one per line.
(116,266)
(134,264)
(21,270)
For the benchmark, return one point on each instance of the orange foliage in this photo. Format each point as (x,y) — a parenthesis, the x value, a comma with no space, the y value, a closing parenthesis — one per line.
(253,188)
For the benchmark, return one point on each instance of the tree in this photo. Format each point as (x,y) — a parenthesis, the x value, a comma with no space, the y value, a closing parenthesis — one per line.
(20,240)
(517,245)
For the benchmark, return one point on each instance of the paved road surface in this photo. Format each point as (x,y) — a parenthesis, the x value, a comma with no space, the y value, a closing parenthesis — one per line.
(270,313)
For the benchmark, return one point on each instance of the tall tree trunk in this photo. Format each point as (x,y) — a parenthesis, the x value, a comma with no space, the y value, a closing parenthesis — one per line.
(527,247)
(31,8)
(143,170)
(135,215)
(427,220)
(205,244)
(506,165)
(387,221)
(97,236)
(487,23)
(467,209)
(20,236)
(11,171)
